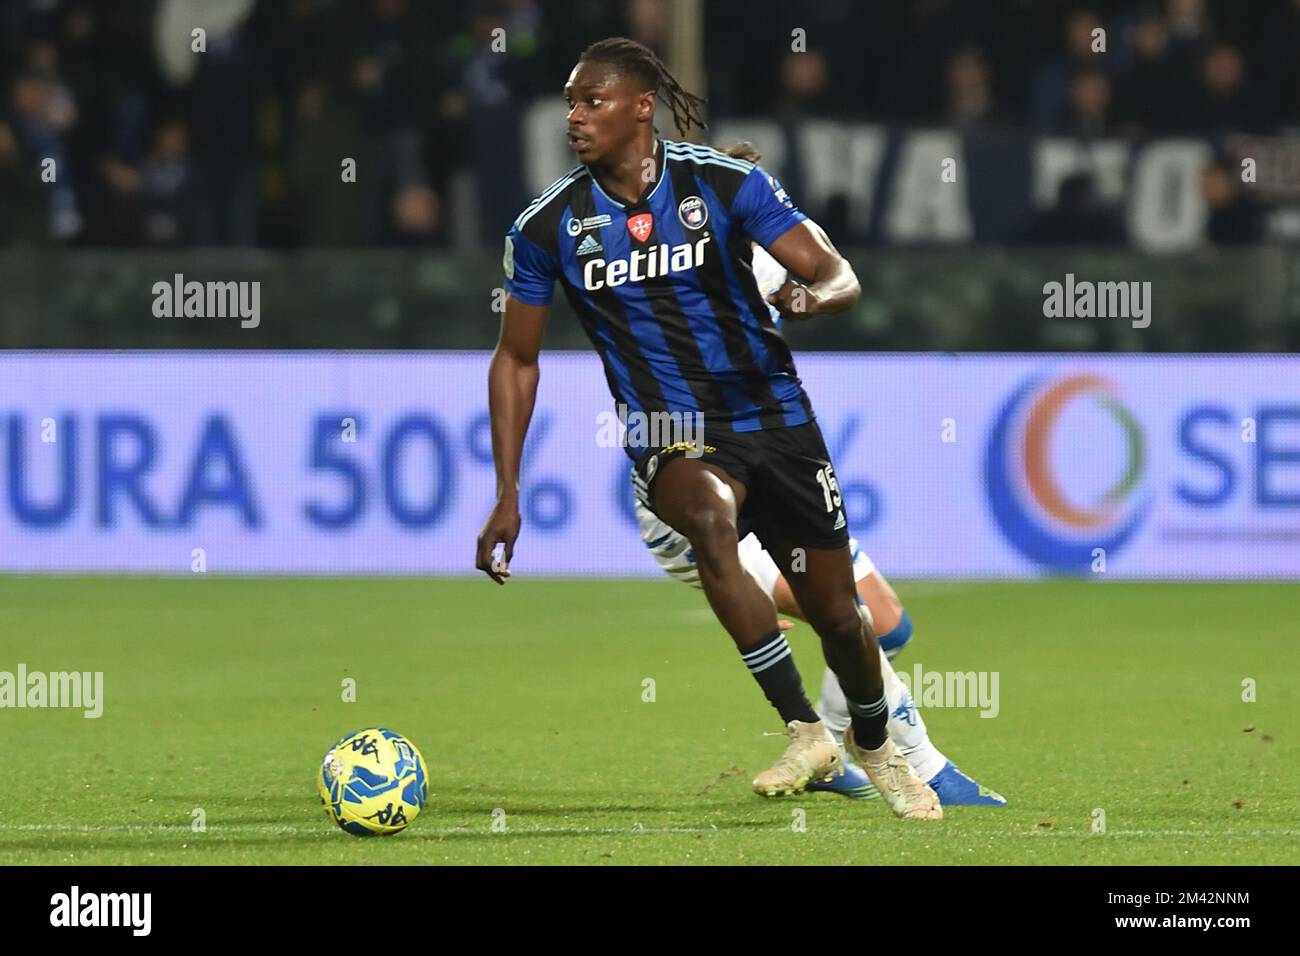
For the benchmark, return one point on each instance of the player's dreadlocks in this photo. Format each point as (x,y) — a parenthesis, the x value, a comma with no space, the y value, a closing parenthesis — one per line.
(640,61)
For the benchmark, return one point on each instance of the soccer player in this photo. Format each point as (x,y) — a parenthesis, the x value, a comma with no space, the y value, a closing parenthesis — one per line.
(651,242)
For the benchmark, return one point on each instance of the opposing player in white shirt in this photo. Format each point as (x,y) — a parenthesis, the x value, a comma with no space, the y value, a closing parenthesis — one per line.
(906,727)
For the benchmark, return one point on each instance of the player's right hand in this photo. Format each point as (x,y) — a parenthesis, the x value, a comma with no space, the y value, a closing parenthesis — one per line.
(501,527)
(795,301)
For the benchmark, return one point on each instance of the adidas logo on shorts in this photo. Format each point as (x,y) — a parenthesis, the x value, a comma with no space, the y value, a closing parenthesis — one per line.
(839,521)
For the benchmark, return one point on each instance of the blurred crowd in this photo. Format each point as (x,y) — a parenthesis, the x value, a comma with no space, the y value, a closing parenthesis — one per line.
(1080,69)
(152,145)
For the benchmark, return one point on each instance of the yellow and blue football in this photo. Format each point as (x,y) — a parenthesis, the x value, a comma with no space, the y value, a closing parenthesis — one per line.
(373,783)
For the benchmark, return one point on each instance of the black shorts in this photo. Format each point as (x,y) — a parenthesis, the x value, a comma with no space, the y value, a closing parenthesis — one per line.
(792,496)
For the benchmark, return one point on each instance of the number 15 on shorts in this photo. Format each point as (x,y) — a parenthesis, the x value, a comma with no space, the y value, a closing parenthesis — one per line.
(830,488)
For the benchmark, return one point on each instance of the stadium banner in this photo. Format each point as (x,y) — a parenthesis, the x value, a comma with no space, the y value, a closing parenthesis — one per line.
(380,463)
(873,183)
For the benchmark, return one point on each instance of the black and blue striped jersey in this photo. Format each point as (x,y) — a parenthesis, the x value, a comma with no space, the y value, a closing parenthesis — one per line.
(664,287)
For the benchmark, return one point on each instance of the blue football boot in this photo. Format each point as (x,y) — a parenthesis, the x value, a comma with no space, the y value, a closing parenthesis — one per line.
(955,789)
(852,783)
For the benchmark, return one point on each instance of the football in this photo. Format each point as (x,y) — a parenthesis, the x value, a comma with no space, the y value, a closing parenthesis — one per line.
(372,782)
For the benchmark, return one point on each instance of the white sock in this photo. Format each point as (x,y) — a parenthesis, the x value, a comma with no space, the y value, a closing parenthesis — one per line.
(834,707)
(905,726)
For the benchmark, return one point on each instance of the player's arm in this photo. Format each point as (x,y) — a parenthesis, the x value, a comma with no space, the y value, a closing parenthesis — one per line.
(827,283)
(512,392)
(821,281)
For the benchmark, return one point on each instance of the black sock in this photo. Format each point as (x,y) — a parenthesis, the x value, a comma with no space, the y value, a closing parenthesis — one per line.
(869,722)
(772,665)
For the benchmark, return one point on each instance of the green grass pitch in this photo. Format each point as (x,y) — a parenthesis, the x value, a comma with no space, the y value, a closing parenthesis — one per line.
(224,694)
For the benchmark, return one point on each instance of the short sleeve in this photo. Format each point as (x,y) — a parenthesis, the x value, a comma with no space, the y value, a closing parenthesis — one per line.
(530,272)
(763,209)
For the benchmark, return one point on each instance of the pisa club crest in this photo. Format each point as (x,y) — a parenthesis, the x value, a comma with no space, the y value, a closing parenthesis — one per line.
(1063,471)
(640,226)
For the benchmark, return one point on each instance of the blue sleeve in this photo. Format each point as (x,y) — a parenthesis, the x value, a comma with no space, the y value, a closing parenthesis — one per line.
(530,272)
(763,209)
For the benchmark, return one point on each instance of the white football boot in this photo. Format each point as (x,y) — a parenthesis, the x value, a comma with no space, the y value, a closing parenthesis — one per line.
(905,792)
(811,754)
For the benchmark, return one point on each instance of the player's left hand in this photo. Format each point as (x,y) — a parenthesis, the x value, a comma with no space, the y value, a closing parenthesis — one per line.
(795,301)
(501,528)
